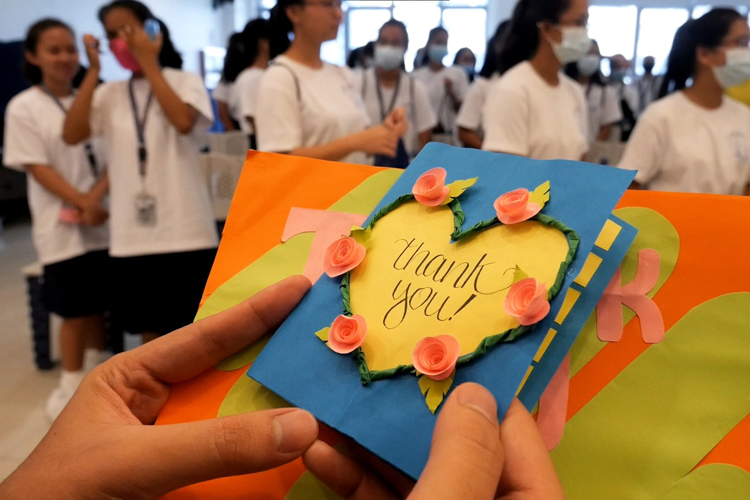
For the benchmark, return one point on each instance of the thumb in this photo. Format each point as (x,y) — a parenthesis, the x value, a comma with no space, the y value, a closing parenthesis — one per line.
(466,459)
(173,456)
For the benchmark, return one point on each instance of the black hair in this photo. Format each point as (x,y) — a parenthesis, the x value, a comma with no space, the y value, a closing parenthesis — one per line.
(280,26)
(435,32)
(521,39)
(255,31)
(490,58)
(235,59)
(168,57)
(421,58)
(461,52)
(706,32)
(398,24)
(32,72)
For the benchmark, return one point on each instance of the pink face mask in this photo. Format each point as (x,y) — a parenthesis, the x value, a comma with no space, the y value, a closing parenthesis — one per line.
(122,53)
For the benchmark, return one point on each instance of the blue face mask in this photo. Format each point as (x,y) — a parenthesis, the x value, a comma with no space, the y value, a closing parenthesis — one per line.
(470,70)
(437,53)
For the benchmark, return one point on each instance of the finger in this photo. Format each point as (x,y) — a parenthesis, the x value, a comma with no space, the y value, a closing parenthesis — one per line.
(344,476)
(173,456)
(466,458)
(210,341)
(528,468)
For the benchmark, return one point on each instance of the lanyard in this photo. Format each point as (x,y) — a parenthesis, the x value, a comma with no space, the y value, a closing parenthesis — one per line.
(383,112)
(140,127)
(86,145)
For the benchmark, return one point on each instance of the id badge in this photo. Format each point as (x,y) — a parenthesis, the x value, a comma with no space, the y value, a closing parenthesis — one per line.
(145,206)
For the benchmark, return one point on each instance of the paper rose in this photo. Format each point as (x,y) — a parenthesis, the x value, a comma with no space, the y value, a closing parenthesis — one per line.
(430,188)
(527,301)
(435,357)
(342,256)
(347,333)
(515,207)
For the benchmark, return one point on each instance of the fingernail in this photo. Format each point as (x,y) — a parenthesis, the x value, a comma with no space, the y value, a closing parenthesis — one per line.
(294,431)
(478,398)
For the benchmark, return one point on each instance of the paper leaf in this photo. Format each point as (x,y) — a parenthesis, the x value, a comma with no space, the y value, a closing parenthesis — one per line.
(519,275)
(434,391)
(541,194)
(361,236)
(323,334)
(457,188)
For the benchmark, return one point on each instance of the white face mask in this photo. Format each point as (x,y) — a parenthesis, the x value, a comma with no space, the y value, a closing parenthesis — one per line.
(388,57)
(575,44)
(737,70)
(589,65)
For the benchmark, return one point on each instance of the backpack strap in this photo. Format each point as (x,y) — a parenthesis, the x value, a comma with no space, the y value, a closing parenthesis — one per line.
(294,76)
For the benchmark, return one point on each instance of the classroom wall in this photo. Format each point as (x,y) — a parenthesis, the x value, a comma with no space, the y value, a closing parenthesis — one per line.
(194,24)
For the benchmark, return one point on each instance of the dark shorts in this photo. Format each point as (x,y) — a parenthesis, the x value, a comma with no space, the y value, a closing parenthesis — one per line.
(78,287)
(158,293)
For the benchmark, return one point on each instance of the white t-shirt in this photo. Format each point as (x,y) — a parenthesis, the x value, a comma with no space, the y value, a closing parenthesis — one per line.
(412,96)
(680,146)
(244,95)
(33,136)
(526,116)
(604,108)
(184,217)
(434,82)
(471,113)
(327,108)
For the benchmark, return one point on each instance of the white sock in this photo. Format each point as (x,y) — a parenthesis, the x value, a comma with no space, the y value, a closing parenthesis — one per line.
(69,381)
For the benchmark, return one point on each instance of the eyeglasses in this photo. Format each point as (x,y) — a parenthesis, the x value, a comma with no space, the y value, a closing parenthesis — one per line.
(329,4)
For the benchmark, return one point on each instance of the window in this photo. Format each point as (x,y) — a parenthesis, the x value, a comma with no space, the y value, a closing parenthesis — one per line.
(700,10)
(614,29)
(467,28)
(657,30)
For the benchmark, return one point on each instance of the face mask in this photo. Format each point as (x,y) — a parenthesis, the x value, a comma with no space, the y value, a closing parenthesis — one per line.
(575,44)
(589,65)
(618,75)
(437,53)
(122,53)
(737,70)
(389,58)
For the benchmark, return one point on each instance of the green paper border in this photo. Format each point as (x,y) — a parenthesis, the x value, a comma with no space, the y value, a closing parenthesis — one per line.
(459,217)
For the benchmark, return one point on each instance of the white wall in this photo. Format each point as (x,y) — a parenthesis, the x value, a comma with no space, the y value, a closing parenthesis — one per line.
(193,24)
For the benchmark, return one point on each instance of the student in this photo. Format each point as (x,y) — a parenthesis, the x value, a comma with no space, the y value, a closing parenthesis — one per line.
(695,139)
(235,61)
(535,110)
(244,92)
(307,107)
(388,87)
(648,85)
(467,61)
(66,188)
(163,234)
(469,119)
(629,100)
(603,101)
(446,86)
(105,435)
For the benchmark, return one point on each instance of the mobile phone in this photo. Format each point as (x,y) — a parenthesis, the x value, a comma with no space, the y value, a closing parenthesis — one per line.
(152,28)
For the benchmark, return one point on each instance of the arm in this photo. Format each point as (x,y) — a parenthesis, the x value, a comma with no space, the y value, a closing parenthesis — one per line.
(424,138)
(77,127)
(469,138)
(226,120)
(101,188)
(92,213)
(375,140)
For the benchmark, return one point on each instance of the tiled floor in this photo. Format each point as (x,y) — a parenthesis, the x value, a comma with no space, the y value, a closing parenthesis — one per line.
(23,389)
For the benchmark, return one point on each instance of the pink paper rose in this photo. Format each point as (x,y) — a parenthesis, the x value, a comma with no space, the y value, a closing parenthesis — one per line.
(527,301)
(347,333)
(514,207)
(430,189)
(342,256)
(435,357)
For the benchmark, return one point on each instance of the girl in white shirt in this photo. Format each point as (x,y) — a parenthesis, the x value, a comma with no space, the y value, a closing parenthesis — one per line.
(244,94)
(163,233)
(535,110)
(387,87)
(235,61)
(310,108)
(697,140)
(66,187)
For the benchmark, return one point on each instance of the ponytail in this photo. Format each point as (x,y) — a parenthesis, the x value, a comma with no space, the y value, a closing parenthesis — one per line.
(280,27)
(706,32)
(168,57)
(521,40)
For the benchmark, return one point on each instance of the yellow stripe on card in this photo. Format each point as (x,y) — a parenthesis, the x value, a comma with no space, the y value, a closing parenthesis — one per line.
(589,269)
(608,235)
(570,300)
(525,378)
(547,341)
